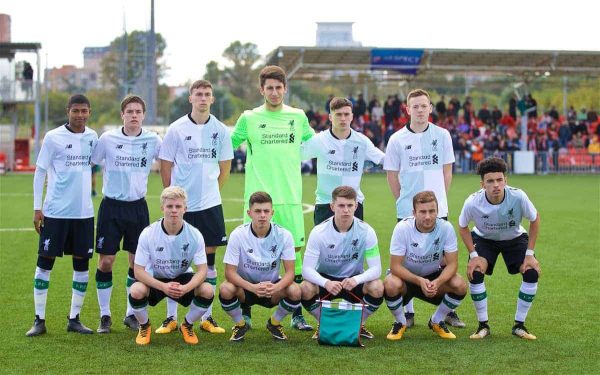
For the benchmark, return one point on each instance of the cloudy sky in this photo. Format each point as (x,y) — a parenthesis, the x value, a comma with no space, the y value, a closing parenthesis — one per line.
(198,31)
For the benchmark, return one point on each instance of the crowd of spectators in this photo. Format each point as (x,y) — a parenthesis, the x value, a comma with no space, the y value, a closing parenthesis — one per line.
(481,132)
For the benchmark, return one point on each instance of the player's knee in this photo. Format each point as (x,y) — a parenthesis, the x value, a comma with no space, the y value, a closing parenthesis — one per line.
(375,288)
(530,276)
(294,292)
(105,262)
(392,285)
(45,263)
(81,264)
(227,290)
(459,286)
(205,290)
(477,277)
(307,290)
(138,290)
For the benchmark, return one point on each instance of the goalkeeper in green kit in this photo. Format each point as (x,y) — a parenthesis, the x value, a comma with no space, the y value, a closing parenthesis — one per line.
(274,132)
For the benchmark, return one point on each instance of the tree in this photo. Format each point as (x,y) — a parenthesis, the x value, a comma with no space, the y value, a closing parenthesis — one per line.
(127,70)
(239,77)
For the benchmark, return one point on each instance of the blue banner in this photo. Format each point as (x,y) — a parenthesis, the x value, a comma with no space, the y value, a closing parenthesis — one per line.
(401,60)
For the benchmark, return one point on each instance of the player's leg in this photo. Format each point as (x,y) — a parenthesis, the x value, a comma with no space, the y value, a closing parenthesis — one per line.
(287,301)
(373,298)
(203,296)
(291,217)
(208,322)
(80,243)
(104,290)
(138,298)
(514,255)
(309,294)
(452,292)
(394,289)
(41,283)
(231,297)
(477,288)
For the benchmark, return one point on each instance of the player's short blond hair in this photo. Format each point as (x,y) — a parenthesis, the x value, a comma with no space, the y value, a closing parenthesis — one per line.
(417,92)
(173,192)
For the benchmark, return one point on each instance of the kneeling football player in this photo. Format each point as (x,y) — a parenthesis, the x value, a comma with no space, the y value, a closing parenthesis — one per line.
(334,260)
(165,251)
(418,245)
(252,260)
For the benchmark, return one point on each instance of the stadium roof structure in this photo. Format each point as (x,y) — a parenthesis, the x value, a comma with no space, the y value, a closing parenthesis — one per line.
(8,50)
(319,63)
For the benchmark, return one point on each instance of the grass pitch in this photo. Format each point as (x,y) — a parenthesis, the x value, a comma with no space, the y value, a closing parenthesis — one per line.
(563,316)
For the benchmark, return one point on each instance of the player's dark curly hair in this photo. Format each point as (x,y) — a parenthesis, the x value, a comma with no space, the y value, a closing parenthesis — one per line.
(491,165)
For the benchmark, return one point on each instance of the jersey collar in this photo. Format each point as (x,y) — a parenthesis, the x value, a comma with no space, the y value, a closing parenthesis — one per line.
(189,115)
(162,226)
(333,135)
(123,131)
(336,228)
(266,235)
(412,131)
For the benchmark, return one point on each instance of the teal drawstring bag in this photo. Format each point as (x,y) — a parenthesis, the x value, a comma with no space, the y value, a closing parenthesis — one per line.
(340,322)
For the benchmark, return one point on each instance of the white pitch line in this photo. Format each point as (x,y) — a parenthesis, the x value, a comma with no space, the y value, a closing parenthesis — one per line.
(306,209)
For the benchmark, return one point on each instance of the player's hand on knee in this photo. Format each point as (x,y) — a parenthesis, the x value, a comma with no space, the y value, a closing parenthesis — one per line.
(530,262)
(475,264)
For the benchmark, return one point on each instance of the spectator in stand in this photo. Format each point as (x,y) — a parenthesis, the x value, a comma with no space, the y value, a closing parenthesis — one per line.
(564,135)
(578,141)
(531,105)
(592,116)
(594,148)
(351,98)
(396,103)
(553,113)
(571,114)
(376,112)
(440,109)
(496,116)
(455,106)
(463,149)
(582,115)
(372,103)
(512,107)
(468,111)
(388,111)
(484,114)
(360,108)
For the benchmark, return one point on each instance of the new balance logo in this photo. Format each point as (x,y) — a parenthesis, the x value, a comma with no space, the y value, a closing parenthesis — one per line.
(119,147)
(159,249)
(414,244)
(188,138)
(331,152)
(407,147)
(331,246)
(485,217)
(69,146)
(250,251)
(262,126)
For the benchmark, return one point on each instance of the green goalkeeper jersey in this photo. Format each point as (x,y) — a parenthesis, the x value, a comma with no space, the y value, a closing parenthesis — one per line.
(273,155)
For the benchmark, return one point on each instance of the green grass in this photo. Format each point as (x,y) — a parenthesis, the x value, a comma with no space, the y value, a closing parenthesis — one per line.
(563,316)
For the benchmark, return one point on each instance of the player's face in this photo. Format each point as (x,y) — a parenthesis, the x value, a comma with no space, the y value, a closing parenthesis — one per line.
(273,91)
(341,118)
(133,115)
(419,109)
(173,210)
(425,215)
(494,184)
(343,208)
(201,99)
(261,214)
(78,115)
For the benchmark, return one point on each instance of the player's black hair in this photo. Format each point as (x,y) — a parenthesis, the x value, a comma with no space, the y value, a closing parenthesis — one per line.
(491,165)
(78,99)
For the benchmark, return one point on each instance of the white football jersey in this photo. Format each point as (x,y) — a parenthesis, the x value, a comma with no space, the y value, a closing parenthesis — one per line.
(126,163)
(342,255)
(66,157)
(498,222)
(165,256)
(420,159)
(423,252)
(340,161)
(259,259)
(196,150)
